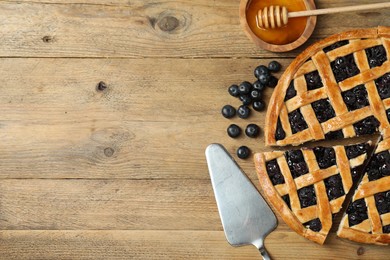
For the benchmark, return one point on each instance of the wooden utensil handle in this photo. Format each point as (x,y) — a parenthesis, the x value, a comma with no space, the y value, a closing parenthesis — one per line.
(338,10)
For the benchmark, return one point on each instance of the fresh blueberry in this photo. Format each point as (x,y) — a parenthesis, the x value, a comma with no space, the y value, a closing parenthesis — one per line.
(243,152)
(228,111)
(245,88)
(258,105)
(245,99)
(258,86)
(272,82)
(234,131)
(261,70)
(274,66)
(264,79)
(233,91)
(252,130)
(255,95)
(243,112)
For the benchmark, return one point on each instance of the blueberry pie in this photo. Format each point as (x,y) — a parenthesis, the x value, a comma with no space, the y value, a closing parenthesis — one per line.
(307,187)
(337,88)
(367,218)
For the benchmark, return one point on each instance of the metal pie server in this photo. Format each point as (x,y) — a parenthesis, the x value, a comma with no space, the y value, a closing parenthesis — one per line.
(246,217)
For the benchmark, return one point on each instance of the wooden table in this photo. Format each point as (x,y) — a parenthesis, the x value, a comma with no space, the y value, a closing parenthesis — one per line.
(118,172)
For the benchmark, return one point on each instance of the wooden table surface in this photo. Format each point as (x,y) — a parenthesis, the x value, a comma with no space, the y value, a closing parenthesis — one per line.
(120,172)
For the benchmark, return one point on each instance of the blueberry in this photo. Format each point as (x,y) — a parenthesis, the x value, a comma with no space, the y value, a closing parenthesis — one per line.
(323,110)
(228,111)
(314,225)
(368,125)
(244,88)
(297,121)
(336,45)
(264,79)
(243,112)
(274,173)
(258,86)
(385,169)
(354,151)
(376,56)
(349,98)
(357,212)
(272,82)
(386,229)
(280,134)
(252,130)
(298,168)
(295,155)
(313,80)
(307,196)
(243,152)
(245,99)
(291,92)
(233,91)
(234,131)
(261,70)
(255,95)
(258,105)
(274,66)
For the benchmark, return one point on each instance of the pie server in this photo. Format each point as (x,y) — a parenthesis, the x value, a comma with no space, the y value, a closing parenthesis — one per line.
(246,217)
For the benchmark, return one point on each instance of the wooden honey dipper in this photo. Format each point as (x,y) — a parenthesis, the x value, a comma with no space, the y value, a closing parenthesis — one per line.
(277,16)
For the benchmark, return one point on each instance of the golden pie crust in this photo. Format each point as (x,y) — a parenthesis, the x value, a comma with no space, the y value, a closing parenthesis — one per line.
(315,59)
(297,216)
(369,231)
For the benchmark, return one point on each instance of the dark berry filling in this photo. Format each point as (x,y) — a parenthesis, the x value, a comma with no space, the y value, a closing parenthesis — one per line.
(334,187)
(336,45)
(383,86)
(357,212)
(296,163)
(344,67)
(274,172)
(279,134)
(388,114)
(297,121)
(286,199)
(355,174)
(356,98)
(326,157)
(354,151)
(376,56)
(307,196)
(291,92)
(379,166)
(314,225)
(323,110)
(334,135)
(366,126)
(313,80)
(386,229)
(382,202)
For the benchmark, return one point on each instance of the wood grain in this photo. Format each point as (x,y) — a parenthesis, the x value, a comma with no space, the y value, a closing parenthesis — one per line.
(107,204)
(140,29)
(55,124)
(149,244)
(120,173)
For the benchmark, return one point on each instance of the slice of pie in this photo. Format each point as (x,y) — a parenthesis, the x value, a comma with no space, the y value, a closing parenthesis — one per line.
(337,88)
(367,218)
(308,186)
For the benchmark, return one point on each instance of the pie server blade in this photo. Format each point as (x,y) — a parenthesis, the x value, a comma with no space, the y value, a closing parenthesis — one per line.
(246,217)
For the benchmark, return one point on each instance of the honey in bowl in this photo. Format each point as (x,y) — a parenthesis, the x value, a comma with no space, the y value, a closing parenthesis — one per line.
(278,36)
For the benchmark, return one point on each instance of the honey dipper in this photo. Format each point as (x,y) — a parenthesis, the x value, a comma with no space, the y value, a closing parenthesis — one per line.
(277,16)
